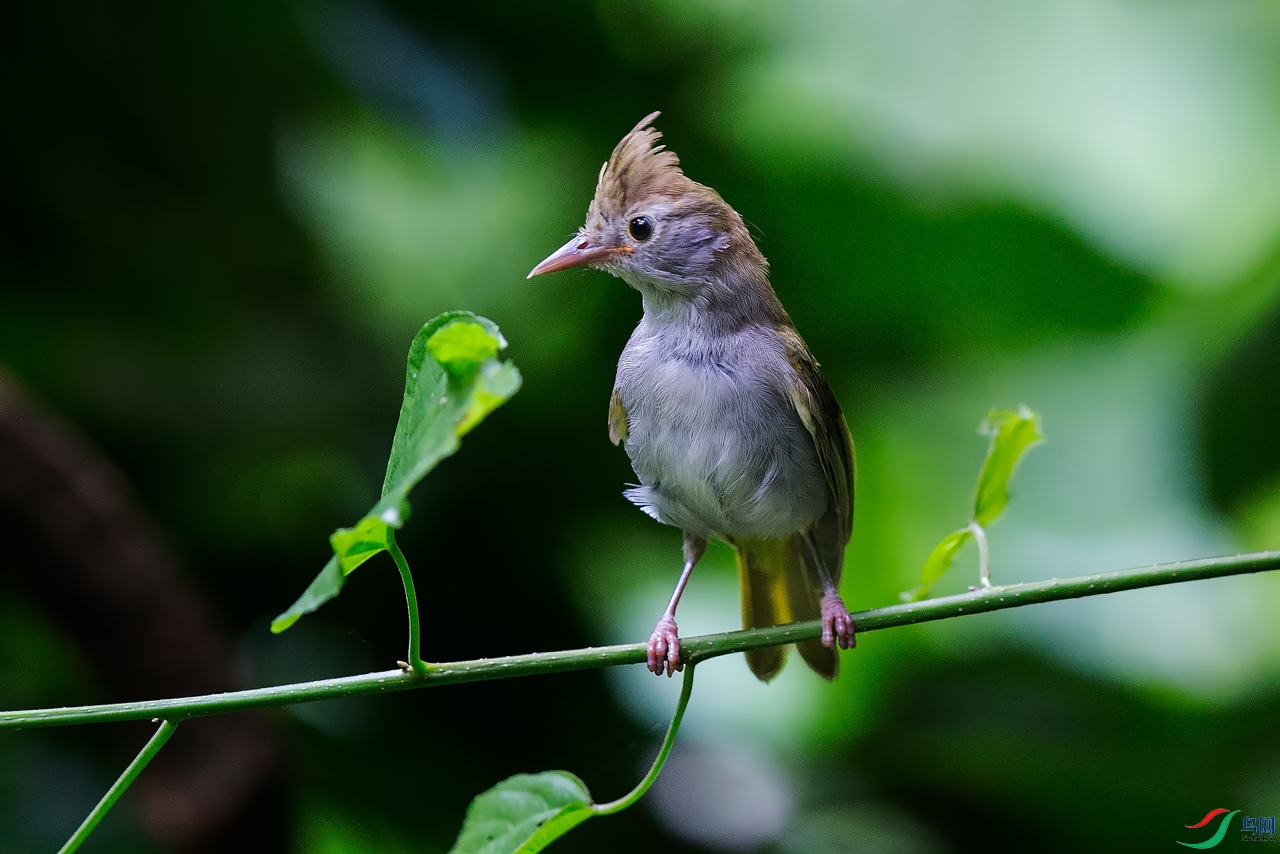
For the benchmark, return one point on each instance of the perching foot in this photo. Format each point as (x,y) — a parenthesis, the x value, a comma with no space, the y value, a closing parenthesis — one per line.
(664,648)
(837,625)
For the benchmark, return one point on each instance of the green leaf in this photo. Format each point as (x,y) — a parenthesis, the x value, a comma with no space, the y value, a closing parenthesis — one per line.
(938,562)
(353,546)
(441,404)
(463,346)
(1012,435)
(524,814)
(494,386)
(453,379)
(325,586)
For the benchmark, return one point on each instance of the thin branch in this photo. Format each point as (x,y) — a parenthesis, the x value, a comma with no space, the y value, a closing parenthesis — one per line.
(113,794)
(694,650)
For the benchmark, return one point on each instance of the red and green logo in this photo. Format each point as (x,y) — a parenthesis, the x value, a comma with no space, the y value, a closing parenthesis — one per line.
(1218,835)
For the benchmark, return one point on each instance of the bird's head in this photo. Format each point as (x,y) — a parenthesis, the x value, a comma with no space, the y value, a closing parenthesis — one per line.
(664,234)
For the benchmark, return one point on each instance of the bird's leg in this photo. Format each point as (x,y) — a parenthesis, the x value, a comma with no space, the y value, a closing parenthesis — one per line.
(837,625)
(664,643)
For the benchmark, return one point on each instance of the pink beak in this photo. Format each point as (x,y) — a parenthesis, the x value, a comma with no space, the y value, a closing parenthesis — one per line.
(578,252)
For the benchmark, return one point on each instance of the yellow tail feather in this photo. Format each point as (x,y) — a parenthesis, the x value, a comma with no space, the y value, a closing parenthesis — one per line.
(778,587)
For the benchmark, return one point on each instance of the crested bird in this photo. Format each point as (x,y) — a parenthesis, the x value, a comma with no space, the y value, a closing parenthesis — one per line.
(730,426)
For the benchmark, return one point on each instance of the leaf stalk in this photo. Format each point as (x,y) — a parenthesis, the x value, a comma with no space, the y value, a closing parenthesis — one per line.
(686,688)
(416,664)
(984,557)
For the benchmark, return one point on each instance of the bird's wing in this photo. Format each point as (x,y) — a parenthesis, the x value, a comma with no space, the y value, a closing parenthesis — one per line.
(617,418)
(816,404)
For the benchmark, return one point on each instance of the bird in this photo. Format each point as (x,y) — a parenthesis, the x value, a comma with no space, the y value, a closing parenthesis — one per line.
(730,427)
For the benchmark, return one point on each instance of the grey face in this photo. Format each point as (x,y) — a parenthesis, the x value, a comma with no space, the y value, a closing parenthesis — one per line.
(674,244)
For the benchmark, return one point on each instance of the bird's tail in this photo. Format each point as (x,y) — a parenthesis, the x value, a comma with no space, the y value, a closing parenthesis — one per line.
(779,585)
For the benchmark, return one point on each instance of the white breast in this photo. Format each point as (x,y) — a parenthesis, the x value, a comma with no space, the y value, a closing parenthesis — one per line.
(713,436)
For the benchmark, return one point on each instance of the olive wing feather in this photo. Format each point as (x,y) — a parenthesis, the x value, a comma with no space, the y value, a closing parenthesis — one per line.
(617,419)
(820,412)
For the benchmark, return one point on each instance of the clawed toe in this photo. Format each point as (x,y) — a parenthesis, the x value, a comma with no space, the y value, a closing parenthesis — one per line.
(837,625)
(664,648)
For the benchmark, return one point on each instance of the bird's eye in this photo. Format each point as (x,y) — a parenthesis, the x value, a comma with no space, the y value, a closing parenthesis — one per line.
(641,228)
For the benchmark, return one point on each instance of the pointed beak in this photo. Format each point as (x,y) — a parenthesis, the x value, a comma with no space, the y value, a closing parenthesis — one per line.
(578,252)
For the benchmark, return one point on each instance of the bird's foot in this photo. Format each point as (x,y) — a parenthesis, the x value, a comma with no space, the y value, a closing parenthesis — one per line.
(837,625)
(664,648)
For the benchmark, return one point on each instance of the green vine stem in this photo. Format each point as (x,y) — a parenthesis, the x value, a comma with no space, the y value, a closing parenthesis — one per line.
(695,650)
(643,786)
(416,664)
(117,789)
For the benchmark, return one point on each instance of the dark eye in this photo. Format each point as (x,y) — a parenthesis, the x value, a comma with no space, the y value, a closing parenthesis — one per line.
(641,228)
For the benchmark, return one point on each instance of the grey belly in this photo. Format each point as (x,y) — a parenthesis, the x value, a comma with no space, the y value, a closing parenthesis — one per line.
(717,459)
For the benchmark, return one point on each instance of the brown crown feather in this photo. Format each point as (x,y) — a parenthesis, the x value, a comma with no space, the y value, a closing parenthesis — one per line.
(640,168)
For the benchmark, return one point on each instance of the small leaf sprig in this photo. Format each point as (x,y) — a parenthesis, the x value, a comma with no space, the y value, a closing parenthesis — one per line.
(1012,434)
(453,379)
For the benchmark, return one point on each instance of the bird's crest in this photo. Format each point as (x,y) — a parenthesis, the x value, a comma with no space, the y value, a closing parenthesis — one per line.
(639,168)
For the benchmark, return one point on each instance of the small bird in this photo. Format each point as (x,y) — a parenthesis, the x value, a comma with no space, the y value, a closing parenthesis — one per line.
(729,424)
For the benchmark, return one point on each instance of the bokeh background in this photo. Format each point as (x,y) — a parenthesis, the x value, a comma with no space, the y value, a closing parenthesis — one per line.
(228,219)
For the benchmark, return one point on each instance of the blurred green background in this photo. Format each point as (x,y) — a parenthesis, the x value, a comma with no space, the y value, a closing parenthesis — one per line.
(228,219)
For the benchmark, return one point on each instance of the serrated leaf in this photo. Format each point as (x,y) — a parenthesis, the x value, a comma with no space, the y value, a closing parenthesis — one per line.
(938,562)
(453,379)
(524,814)
(1012,435)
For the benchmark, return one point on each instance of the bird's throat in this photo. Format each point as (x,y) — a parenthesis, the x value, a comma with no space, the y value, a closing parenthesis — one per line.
(717,306)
